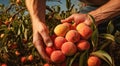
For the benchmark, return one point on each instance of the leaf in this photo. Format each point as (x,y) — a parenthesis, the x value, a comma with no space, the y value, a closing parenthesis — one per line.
(103,55)
(83,58)
(72,59)
(107,36)
(94,38)
(110,27)
(68,4)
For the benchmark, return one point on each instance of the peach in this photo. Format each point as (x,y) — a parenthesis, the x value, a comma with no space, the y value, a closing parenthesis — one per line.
(59,41)
(23,59)
(67,24)
(83,45)
(93,61)
(60,30)
(17,53)
(49,50)
(84,30)
(68,48)
(3,64)
(46,64)
(57,56)
(72,36)
(30,57)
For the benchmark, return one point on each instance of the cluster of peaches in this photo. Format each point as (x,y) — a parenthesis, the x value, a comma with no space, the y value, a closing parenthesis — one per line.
(68,40)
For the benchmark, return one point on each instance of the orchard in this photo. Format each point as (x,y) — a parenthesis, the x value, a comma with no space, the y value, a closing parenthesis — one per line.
(79,45)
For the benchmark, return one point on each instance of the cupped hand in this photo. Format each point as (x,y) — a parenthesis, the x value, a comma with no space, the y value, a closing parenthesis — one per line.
(41,38)
(78,18)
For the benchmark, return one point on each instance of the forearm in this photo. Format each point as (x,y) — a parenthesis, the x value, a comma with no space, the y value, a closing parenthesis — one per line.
(36,9)
(107,11)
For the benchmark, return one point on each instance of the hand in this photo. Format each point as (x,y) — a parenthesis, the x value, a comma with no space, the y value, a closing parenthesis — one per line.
(78,18)
(41,38)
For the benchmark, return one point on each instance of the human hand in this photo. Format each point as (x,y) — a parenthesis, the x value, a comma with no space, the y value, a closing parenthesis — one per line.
(78,18)
(41,38)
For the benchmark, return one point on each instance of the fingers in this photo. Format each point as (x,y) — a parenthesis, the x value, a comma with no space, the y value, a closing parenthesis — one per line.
(45,36)
(69,19)
(40,47)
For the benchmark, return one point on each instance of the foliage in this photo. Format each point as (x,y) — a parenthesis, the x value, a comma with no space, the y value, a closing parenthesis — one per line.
(16,35)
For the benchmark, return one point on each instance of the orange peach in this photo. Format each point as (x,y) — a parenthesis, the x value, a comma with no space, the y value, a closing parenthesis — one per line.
(84,30)
(49,50)
(67,24)
(93,61)
(72,36)
(60,30)
(59,41)
(68,48)
(17,53)
(57,56)
(83,45)
(30,57)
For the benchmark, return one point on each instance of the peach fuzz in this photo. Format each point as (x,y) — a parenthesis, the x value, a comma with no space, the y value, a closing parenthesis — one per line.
(57,56)
(83,45)
(68,48)
(72,36)
(93,61)
(84,30)
(59,41)
(49,50)
(60,30)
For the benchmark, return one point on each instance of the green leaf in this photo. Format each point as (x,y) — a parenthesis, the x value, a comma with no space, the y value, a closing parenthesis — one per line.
(103,55)
(73,58)
(83,58)
(107,36)
(94,38)
(110,27)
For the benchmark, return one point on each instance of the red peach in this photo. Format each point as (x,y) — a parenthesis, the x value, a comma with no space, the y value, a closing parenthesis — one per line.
(3,64)
(57,56)
(23,59)
(49,50)
(72,36)
(83,45)
(93,61)
(60,30)
(68,48)
(59,41)
(46,64)
(84,30)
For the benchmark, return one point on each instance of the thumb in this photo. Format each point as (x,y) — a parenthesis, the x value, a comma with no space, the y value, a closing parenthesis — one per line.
(69,19)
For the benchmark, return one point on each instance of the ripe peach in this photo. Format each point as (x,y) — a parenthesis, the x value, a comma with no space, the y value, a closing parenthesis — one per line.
(83,45)
(57,56)
(46,64)
(67,24)
(3,64)
(17,53)
(84,30)
(30,57)
(72,36)
(93,61)
(49,50)
(60,30)
(68,48)
(59,41)
(23,59)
